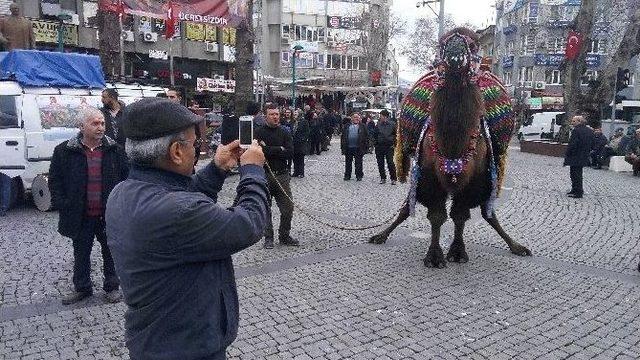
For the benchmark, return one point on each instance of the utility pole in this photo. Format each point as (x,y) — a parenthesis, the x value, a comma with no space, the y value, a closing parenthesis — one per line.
(440,15)
(121,48)
(293,82)
(613,108)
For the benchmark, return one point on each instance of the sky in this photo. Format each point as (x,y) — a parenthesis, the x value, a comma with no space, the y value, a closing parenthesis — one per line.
(477,12)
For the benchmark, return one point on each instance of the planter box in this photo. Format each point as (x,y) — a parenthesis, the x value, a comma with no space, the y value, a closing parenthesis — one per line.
(543,147)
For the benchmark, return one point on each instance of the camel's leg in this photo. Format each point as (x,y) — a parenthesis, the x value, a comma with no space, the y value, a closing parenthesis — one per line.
(514,246)
(437,215)
(460,214)
(381,238)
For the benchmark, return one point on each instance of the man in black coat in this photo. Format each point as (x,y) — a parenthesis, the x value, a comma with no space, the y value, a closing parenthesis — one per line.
(83,172)
(599,142)
(300,143)
(354,143)
(577,155)
(112,112)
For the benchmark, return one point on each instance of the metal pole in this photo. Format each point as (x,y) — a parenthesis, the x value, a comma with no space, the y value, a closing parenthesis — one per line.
(613,107)
(121,47)
(60,36)
(171,77)
(441,21)
(293,83)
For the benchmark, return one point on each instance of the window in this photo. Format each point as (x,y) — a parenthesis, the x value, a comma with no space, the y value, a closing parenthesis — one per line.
(553,77)
(589,75)
(556,46)
(507,78)
(598,46)
(526,73)
(525,14)
(286,31)
(363,64)
(8,115)
(320,63)
(285,57)
(510,47)
(523,44)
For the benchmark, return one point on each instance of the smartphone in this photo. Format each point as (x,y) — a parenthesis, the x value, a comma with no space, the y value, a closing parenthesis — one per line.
(245,131)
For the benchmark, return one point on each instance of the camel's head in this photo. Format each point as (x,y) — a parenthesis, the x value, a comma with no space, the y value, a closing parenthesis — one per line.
(458,51)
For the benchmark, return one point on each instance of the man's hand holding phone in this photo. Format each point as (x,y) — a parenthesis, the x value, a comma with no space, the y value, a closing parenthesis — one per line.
(252,155)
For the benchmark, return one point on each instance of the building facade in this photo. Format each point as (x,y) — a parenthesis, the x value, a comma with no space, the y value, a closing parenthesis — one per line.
(337,38)
(530,43)
(199,50)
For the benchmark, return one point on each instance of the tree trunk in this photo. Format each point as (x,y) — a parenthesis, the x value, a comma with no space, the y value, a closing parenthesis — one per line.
(573,70)
(629,47)
(244,62)
(109,43)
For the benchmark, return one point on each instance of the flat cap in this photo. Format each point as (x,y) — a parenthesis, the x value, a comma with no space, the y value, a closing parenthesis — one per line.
(151,118)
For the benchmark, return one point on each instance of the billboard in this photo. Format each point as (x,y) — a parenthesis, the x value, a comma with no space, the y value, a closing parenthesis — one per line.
(216,12)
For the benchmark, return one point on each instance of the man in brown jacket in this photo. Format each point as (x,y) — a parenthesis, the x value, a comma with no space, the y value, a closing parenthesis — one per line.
(17,30)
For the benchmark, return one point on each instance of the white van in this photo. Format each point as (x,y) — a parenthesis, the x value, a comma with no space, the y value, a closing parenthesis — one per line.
(540,126)
(34,120)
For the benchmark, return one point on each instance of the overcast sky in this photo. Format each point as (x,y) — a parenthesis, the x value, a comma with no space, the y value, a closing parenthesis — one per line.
(478,12)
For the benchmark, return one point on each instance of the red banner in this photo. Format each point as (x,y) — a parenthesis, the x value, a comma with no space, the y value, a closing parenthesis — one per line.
(217,12)
(170,27)
(574,44)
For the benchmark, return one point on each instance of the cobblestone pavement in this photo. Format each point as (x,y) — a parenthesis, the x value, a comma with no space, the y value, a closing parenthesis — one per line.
(337,297)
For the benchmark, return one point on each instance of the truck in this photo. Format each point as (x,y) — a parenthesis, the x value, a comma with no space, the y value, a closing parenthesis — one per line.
(41,94)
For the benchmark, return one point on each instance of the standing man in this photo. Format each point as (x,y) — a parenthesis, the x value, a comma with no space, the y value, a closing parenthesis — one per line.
(300,144)
(354,143)
(384,139)
(633,153)
(577,156)
(17,30)
(112,111)
(83,172)
(171,242)
(174,94)
(277,146)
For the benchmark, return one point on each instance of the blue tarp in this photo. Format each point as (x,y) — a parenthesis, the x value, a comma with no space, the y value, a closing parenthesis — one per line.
(54,69)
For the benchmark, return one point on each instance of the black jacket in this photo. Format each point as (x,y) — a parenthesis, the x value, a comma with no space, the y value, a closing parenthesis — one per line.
(300,136)
(278,146)
(384,134)
(172,245)
(363,138)
(580,144)
(113,124)
(599,142)
(68,180)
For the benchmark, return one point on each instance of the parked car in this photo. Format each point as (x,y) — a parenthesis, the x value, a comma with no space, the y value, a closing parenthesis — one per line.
(541,126)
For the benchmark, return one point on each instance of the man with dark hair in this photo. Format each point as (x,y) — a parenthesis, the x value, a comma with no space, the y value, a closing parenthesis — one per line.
(277,145)
(253,109)
(577,156)
(174,94)
(112,111)
(354,143)
(83,172)
(384,139)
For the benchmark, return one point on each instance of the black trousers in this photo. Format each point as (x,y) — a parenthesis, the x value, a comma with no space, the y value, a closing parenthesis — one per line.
(575,173)
(284,204)
(385,153)
(298,164)
(82,245)
(351,155)
(316,143)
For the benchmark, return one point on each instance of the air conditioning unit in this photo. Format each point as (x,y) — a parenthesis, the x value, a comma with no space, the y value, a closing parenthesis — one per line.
(540,85)
(285,41)
(211,47)
(148,36)
(528,84)
(128,36)
(74,20)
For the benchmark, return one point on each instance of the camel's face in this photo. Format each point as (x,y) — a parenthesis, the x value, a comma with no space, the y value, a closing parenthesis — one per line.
(456,53)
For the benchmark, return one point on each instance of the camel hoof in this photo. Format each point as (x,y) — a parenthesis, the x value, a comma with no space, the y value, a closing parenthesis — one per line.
(457,254)
(435,258)
(378,239)
(521,250)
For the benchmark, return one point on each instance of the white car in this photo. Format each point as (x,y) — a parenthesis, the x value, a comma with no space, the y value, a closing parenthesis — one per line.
(540,126)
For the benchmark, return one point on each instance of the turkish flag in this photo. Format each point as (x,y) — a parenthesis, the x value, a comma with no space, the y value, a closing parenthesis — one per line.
(170,22)
(574,44)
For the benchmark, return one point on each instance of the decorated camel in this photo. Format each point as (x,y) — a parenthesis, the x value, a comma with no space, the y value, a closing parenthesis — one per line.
(457,122)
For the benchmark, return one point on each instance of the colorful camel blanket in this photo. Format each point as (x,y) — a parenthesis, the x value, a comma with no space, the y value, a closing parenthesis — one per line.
(499,119)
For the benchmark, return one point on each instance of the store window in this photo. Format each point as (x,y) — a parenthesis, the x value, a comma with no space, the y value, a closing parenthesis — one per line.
(8,115)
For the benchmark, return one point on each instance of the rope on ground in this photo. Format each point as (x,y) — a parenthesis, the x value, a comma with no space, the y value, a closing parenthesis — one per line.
(327,224)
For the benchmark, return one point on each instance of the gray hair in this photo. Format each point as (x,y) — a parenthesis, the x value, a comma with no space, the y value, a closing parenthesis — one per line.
(150,152)
(88,113)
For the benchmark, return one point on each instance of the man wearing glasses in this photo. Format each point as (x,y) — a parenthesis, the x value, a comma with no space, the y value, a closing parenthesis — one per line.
(172,243)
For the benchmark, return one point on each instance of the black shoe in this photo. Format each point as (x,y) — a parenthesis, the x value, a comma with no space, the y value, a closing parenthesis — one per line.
(301,176)
(359,179)
(289,241)
(393,182)
(3,213)
(571,192)
(575,196)
(383,181)
(113,296)
(346,178)
(268,243)
(74,297)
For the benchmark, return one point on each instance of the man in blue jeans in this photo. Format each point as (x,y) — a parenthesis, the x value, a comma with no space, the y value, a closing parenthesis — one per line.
(5,193)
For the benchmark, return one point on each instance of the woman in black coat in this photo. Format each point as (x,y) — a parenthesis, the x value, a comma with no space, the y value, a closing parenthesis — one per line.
(301,133)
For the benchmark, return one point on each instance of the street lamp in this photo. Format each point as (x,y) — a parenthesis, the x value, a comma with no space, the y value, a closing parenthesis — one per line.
(439,16)
(293,84)
(61,19)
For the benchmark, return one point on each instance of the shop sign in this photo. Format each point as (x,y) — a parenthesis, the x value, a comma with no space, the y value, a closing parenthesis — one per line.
(47,32)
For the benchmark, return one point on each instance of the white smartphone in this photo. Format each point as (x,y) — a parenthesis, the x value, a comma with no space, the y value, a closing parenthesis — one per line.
(245,131)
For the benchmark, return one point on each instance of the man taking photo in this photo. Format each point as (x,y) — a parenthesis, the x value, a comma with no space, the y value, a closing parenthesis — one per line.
(172,243)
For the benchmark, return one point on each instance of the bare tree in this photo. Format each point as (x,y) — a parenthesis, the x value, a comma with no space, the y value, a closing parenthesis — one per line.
(245,37)
(624,36)
(421,44)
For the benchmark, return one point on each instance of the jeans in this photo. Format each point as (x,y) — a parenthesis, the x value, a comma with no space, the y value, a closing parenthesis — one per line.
(82,244)
(385,153)
(575,173)
(350,155)
(5,192)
